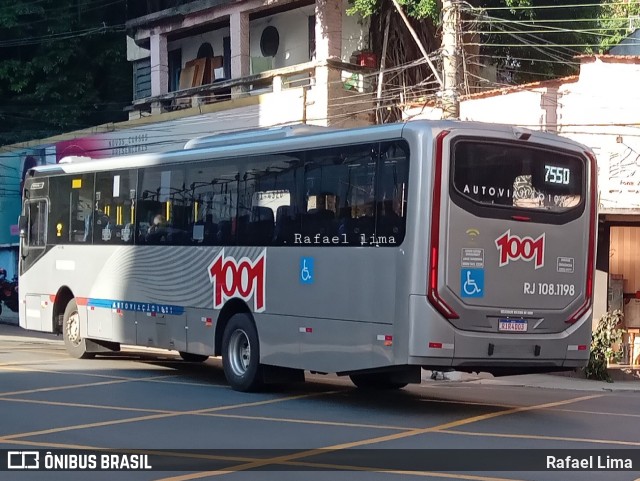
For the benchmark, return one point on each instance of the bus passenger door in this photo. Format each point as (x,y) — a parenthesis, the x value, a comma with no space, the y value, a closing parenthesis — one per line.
(33,295)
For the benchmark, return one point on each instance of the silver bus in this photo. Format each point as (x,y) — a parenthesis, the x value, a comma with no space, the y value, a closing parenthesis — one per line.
(369,252)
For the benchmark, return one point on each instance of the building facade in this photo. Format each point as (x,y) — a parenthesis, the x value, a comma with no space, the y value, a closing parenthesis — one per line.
(204,67)
(599,108)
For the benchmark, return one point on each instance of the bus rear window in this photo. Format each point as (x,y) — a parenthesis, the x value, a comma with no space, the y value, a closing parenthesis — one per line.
(522,176)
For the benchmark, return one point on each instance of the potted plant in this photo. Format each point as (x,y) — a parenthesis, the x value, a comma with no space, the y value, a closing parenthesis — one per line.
(608,333)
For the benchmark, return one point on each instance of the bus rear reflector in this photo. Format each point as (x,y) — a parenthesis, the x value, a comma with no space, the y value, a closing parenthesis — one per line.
(440,345)
(432,282)
(591,252)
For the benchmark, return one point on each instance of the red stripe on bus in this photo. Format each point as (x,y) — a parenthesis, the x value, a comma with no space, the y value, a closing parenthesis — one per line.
(591,253)
(82,301)
(432,277)
(52,297)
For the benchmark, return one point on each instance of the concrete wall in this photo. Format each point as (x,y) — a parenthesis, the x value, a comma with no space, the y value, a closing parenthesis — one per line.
(600,110)
(292,27)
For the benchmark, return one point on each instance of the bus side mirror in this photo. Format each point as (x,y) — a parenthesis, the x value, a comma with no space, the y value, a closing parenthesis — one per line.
(22,226)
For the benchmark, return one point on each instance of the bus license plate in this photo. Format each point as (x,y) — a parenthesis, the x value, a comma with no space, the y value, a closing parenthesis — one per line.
(511,325)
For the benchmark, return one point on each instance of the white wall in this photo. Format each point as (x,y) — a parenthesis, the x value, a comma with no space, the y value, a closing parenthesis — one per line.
(520,108)
(601,111)
(189,46)
(294,36)
(355,34)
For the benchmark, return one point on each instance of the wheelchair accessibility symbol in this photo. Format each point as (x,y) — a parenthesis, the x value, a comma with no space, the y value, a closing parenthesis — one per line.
(472,282)
(306,270)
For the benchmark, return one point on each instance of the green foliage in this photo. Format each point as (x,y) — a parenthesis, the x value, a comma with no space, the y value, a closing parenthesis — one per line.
(419,9)
(62,66)
(614,20)
(607,334)
(527,40)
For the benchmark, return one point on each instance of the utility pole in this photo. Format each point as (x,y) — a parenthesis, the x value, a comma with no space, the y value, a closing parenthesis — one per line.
(450,51)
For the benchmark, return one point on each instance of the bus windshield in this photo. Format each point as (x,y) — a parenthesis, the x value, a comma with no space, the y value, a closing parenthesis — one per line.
(510,175)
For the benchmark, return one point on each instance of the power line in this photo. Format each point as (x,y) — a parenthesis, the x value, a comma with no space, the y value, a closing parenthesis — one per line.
(544,7)
(62,36)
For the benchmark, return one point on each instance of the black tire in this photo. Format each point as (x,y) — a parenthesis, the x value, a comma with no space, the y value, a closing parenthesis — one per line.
(241,354)
(74,342)
(376,381)
(189,357)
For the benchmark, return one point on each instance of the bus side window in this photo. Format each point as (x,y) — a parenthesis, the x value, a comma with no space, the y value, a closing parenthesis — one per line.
(36,235)
(71,199)
(391,196)
(114,209)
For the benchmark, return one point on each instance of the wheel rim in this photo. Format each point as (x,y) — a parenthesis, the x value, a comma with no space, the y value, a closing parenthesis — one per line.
(73,329)
(239,352)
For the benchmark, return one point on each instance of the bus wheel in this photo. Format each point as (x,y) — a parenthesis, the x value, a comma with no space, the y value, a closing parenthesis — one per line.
(189,357)
(379,381)
(73,341)
(241,354)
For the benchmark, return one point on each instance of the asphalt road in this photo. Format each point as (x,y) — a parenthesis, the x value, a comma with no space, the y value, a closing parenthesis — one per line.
(148,401)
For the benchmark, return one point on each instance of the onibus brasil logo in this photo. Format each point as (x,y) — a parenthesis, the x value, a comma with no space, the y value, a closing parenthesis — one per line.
(241,278)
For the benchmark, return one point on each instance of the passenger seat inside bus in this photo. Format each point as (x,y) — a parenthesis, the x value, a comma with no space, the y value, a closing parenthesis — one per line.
(286,226)
(318,221)
(261,226)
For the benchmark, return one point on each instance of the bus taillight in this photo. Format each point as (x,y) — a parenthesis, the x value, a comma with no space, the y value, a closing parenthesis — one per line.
(593,212)
(432,286)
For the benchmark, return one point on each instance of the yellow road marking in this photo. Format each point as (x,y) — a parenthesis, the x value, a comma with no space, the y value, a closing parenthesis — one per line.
(9,365)
(310,421)
(62,388)
(335,467)
(71,373)
(158,379)
(81,405)
(231,416)
(159,416)
(379,439)
(189,383)
(543,438)
(598,413)
(339,467)
(114,380)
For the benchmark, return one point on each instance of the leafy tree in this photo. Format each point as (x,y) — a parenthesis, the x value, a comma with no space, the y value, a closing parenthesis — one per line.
(614,21)
(62,66)
(526,40)
(607,335)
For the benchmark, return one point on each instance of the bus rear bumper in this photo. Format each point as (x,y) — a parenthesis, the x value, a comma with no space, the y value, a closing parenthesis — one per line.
(436,342)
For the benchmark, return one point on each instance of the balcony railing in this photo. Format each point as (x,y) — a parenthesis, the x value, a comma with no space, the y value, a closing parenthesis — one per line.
(301,75)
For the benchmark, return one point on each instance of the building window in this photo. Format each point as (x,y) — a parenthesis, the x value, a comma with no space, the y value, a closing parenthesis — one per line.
(142,78)
(269,41)
(175,67)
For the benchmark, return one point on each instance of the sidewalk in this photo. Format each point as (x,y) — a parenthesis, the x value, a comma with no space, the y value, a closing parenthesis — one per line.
(545,381)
